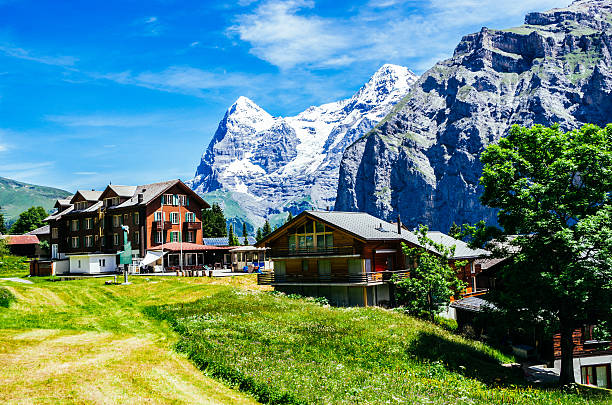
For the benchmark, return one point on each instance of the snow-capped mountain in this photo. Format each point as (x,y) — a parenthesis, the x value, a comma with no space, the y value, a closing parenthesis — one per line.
(270,165)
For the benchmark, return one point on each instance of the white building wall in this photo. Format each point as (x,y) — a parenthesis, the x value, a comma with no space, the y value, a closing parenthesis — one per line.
(90,264)
(585,361)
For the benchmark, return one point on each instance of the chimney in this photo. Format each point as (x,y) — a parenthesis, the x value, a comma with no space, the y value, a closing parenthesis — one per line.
(399,225)
(140,198)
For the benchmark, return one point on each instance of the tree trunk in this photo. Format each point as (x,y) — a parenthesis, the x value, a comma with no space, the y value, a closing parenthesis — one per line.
(567,355)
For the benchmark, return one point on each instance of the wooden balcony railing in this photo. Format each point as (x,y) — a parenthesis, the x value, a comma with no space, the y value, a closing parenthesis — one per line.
(159,225)
(315,251)
(192,226)
(269,278)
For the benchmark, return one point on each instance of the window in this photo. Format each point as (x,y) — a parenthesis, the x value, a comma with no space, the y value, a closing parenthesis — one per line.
(115,239)
(159,237)
(190,217)
(167,199)
(75,242)
(136,218)
(97,239)
(89,223)
(183,200)
(88,241)
(136,237)
(75,225)
(190,236)
(159,216)
(81,205)
(54,233)
(597,375)
(115,200)
(174,236)
(174,217)
(116,221)
(108,202)
(311,235)
(102,262)
(125,219)
(103,240)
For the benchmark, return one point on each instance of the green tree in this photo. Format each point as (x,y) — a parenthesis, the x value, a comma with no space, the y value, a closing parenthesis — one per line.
(267,229)
(258,235)
(552,188)
(29,220)
(455,231)
(245,234)
(289,217)
(432,280)
(4,250)
(2,224)
(213,222)
(232,239)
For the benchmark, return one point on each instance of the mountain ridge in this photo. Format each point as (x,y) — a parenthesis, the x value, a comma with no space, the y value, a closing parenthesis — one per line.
(287,164)
(17,196)
(422,161)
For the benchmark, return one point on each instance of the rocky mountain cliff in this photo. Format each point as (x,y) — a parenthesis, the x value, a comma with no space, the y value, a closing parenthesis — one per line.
(422,160)
(261,166)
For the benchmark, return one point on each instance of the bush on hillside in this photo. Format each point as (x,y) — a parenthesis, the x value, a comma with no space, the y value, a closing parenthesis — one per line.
(6,297)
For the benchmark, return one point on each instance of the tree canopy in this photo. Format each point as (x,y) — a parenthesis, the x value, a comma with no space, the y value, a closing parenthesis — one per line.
(213,222)
(552,189)
(432,280)
(232,239)
(2,224)
(29,220)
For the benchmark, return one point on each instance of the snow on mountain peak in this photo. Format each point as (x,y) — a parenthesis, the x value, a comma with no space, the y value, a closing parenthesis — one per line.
(285,163)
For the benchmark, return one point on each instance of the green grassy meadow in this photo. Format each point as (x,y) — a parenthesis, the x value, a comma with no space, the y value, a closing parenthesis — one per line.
(201,340)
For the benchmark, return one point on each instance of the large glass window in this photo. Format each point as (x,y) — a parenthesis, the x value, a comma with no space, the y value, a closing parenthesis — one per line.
(311,235)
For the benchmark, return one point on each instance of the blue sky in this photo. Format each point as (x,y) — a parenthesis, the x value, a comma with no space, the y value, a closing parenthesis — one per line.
(132,91)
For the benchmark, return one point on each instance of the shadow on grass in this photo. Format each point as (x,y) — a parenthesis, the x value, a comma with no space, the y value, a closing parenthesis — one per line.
(464,359)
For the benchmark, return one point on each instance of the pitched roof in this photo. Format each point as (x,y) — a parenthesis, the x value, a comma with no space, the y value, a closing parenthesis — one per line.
(472,304)
(43,230)
(21,239)
(224,241)
(88,195)
(123,191)
(58,215)
(187,247)
(151,191)
(367,227)
(462,250)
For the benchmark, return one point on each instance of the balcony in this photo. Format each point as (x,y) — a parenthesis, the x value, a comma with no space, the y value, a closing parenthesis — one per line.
(315,251)
(159,225)
(270,278)
(192,226)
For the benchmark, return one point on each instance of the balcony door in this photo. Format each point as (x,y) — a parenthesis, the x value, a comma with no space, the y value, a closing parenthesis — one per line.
(324,267)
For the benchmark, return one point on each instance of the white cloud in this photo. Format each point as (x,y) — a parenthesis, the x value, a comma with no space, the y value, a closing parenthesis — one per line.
(289,34)
(3,148)
(149,26)
(25,54)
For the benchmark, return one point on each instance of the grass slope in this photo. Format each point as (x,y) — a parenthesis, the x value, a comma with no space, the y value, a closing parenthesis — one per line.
(84,342)
(285,350)
(16,197)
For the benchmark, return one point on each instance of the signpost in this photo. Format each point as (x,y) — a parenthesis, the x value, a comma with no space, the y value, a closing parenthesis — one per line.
(125,256)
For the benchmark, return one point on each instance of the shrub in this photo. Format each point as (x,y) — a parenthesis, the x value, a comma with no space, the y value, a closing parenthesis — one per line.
(448,324)
(6,297)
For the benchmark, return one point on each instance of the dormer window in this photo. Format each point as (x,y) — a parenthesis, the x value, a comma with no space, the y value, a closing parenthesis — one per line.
(81,205)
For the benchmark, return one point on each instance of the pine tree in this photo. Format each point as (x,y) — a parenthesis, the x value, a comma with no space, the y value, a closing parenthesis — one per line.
(232,239)
(213,222)
(245,234)
(289,217)
(267,229)
(258,235)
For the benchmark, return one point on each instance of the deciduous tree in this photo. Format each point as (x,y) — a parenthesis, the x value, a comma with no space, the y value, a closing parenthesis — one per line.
(432,281)
(29,220)
(552,188)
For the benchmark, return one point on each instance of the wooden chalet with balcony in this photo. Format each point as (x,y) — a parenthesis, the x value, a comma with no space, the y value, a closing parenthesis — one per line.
(88,228)
(347,257)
